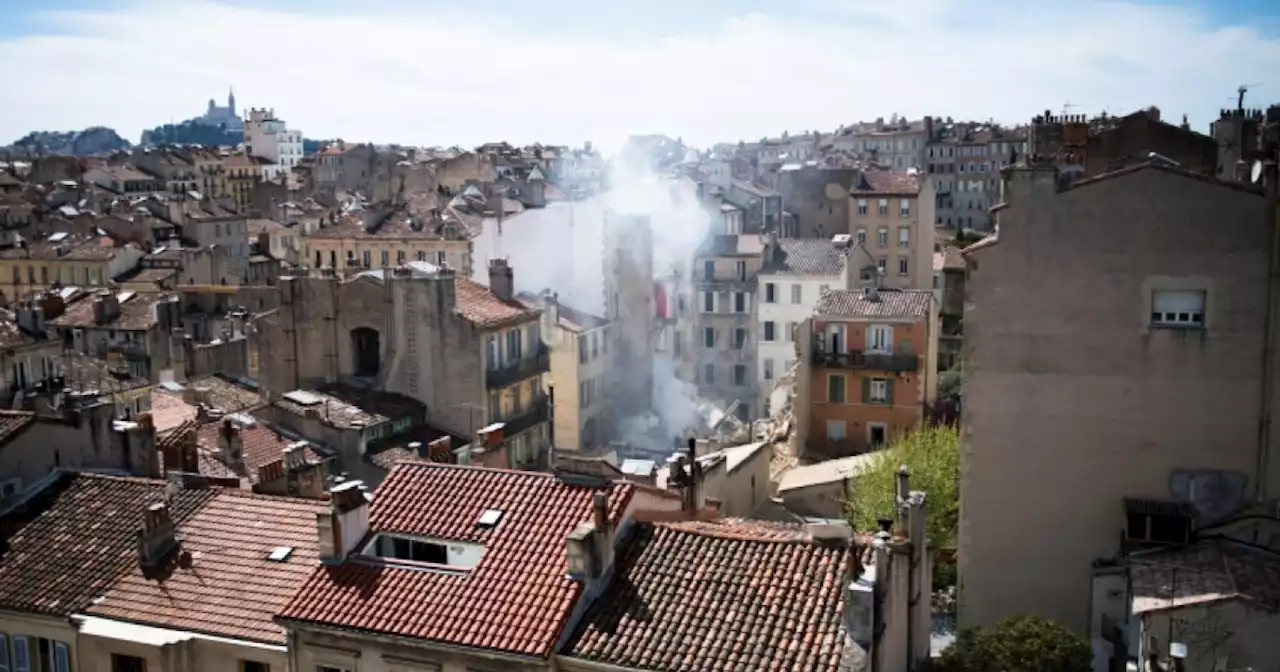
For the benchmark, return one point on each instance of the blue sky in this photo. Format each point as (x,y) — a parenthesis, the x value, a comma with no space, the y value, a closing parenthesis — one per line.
(436,72)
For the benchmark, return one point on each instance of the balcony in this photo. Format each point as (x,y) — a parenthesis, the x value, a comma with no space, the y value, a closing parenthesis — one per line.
(856,360)
(535,413)
(526,367)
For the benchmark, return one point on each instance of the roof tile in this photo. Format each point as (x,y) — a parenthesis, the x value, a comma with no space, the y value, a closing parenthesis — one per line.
(805,256)
(724,595)
(891,303)
(517,599)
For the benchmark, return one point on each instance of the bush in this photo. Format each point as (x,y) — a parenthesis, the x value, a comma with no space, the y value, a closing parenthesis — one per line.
(932,453)
(1018,644)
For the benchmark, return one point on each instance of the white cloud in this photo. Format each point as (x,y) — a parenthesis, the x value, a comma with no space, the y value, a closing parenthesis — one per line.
(417,77)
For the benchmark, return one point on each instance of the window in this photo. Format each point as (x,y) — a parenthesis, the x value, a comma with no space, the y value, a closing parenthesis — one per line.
(903,266)
(4,639)
(877,390)
(882,207)
(789,333)
(330,668)
(862,207)
(882,236)
(709,374)
(835,430)
(769,329)
(739,338)
(254,666)
(709,269)
(904,236)
(904,208)
(768,369)
(21,654)
(412,549)
(739,302)
(583,391)
(708,337)
(835,389)
(399,257)
(797,293)
(513,345)
(442,258)
(595,345)
(740,374)
(1177,308)
(770,292)
(708,302)
(582,349)
(882,263)
(862,236)
(386,257)
(121,663)
(879,338)
(740,269)
(365,259)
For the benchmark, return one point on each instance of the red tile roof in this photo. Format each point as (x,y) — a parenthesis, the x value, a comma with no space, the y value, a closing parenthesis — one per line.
(728,595)
(517,599)
(231,588)
(261,445)
(479,305)
(71,540)
(890,303)
(885,182)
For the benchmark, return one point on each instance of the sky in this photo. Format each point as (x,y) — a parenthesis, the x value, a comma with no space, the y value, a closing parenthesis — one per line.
(436,72)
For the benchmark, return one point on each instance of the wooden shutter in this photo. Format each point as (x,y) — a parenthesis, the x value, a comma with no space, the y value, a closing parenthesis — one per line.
(888,391)
(866,390)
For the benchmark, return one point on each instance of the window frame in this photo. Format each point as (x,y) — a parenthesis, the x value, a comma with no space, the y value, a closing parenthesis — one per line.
(1178,319)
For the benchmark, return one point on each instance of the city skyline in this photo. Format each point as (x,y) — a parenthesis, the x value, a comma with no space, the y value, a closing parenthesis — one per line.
(563,73)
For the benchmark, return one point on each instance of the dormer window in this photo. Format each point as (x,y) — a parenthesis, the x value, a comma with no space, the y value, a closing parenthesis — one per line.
(1158,522)
(426,550)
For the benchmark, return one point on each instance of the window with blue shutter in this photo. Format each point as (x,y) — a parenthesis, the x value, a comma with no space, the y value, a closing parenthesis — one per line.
(61,659)
(21,655)
(4,652)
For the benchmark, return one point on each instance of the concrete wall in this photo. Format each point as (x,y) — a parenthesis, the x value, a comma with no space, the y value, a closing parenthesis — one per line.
(81,440)
(229,358)
(385,654)
(1234,630)
(190,655)
(1072,401)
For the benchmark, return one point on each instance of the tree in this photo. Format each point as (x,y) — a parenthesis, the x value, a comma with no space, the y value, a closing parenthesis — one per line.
(932,453)
(1018,644)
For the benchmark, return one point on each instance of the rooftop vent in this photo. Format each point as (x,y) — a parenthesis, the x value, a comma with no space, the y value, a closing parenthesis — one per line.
(489,518)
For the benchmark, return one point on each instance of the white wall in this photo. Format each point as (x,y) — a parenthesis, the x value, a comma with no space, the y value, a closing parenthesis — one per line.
(784,312)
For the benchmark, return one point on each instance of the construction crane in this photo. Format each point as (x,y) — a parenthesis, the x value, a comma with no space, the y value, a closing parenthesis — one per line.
(1244,88)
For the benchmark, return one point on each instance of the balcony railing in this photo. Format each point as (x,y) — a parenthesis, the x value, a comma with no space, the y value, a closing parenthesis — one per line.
(856,360)
(525,367)
(537,412)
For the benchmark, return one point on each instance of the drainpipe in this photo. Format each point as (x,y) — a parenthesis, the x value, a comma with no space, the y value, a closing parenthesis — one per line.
(1269,332)
(551,424)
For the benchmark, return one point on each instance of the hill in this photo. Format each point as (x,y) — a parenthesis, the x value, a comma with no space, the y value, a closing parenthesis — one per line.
(91,141)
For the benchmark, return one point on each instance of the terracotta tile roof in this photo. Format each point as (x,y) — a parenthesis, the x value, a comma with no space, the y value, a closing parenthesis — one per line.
(72,249)
(11,336)
(397,226)
(804,256)
(169,412)
(517,599)
(892,303)
(71,540)
(260,445)
(13,423)
(1208,571)
(886,183)
(87,373)
(231,588)
(169,409)
(479,305)
(574,320)
(137,312)
(729,595)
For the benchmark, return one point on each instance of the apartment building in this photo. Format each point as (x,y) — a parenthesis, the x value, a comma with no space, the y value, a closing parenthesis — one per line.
(474,355)
(388,237)
(963,163)
(580,368)
(794,274)
(723,339)
(898,143)
(111,574)
(267,136)
(868,368)
(132,329)
(1118,374)
(891,218)
(243,173)
(64,259)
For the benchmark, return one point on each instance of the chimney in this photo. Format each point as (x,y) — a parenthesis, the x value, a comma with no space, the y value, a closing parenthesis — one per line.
(346,522)
(901,495)
(157,537)
(590,544)
(501,280)
(230,443)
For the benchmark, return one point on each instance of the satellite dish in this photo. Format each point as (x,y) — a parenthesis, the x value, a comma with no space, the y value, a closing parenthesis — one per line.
(1255,175)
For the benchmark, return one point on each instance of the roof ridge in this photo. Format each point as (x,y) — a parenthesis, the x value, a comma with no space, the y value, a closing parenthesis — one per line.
(473,467)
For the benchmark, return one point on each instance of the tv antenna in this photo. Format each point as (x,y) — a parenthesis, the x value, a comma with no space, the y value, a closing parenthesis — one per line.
(1244,88)
(1067,107)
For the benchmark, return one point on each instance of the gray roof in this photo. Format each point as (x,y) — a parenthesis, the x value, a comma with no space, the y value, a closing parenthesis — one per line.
(890,303)
(805,256)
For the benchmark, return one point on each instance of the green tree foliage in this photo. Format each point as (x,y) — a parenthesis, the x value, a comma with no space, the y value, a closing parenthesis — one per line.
(932,453)
(1017,644)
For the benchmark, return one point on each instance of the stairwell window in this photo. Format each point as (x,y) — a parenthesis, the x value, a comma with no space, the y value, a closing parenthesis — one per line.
(1178,308)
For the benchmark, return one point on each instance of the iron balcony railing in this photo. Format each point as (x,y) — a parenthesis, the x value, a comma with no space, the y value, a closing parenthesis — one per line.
(857,360)
(535,413)
(525,367)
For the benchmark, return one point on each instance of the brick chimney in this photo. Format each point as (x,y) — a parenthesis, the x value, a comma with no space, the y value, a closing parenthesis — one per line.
(345,523)
(501,279)
(230,443)
(106,307)
(489,448)
(157,537)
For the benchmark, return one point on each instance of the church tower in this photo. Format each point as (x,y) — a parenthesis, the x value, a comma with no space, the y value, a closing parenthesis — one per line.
(231,101)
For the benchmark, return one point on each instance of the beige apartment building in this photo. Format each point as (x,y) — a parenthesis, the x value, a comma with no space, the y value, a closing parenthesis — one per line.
(387,238)
(473,355)
(579,345)
(891,221)
(1115,332)
(64,259)
(722,337)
